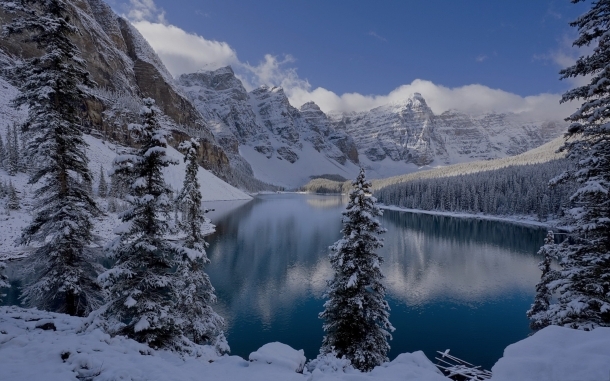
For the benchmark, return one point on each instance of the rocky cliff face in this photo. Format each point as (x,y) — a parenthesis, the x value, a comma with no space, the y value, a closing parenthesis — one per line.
(410,132)
(263,119)
(403,136)
(124,66)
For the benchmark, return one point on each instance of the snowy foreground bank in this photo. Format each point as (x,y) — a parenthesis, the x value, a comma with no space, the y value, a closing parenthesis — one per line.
(38,345)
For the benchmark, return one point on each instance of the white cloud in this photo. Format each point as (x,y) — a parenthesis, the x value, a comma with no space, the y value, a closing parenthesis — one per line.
(184,52)
(145,10)
(481,58)
(470,98)
(271,71)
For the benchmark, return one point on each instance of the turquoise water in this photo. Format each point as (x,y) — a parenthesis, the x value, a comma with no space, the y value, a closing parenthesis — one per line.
(451,283)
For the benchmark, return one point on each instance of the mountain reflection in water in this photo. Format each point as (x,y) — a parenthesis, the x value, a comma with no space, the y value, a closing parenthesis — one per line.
(455,277)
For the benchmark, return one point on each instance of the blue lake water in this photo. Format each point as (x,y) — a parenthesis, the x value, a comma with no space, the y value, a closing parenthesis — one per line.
(451,283)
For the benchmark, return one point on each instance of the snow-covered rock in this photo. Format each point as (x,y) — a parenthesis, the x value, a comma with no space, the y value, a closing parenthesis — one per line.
(280,355)
(557,353)
(410,132)
(280,144)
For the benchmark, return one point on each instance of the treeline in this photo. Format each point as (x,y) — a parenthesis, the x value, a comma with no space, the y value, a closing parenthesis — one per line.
(514,190)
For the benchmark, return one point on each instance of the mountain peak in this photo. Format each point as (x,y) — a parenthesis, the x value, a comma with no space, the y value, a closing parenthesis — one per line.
(219,71)
(310,106)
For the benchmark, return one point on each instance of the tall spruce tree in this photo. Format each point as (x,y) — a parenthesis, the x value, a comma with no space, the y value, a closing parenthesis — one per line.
(3,279)
(11,164)
(13,200)
(140,284)
(194,292)
(584,284)
(2,152)
(538,313)
(15,156)
(102,189)
(356,315)
(52,86)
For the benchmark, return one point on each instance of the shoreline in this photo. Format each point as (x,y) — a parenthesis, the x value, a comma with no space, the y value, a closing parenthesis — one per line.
(517,220)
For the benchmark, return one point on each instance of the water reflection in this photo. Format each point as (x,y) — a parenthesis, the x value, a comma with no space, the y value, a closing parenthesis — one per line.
(428,258)
(269,267)
(452,283)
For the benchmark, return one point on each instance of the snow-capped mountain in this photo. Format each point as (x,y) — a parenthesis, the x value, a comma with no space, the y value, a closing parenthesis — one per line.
(267,131)
(259,134)
(410,132)
(282,144)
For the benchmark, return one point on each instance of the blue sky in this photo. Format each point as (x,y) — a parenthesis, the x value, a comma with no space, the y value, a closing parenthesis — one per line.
(327,50)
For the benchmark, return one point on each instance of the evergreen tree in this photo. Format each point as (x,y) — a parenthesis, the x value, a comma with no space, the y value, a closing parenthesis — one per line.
(584,284)
(140,285)
(356,313)
(14,155)
(194,292)
(11,165)
(102,189)
(3,279)
(13,200)
(2,152)
(52,86)
(539,310)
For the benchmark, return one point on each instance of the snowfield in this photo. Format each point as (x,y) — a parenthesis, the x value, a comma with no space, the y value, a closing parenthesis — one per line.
(212,188)
(37,345)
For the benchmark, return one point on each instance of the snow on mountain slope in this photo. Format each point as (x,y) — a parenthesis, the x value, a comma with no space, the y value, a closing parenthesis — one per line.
(542,154)
(282,172)
(212,188)
(268,131)
(101,154)
(410,132)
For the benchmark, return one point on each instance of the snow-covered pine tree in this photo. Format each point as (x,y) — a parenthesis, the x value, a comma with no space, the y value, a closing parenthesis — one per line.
(2,152)
(194,292)
(538,313)
(14,155)
(51,85)
(356,314)
(140,284)
(3,279)
(12,203)
(102,189)
(11,165)
(584,284)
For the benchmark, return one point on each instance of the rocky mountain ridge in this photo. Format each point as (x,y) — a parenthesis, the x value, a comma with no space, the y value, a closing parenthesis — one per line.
(126,69)
(392,139)
(258,135)
(411,132)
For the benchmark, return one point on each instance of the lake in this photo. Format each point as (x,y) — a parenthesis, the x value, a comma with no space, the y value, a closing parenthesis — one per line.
(459,284)
(462,284)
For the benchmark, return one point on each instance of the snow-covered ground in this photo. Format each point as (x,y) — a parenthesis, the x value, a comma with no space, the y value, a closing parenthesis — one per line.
(292,175)
(70,349)
(37,345)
